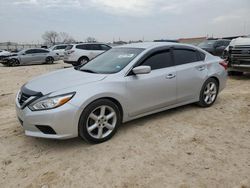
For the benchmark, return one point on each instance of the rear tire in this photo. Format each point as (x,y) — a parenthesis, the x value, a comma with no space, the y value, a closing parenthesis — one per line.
(49,60)
(209,93)
(82,61)
(99,121)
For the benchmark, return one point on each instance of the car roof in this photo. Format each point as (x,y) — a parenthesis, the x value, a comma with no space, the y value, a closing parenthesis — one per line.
(88,43)
(148,45)
(36,49)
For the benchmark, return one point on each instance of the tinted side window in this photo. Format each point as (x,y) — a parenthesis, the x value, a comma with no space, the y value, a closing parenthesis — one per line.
(104,47)
(69,47)
(61,47)
(82,47)
(226,43)
(95,47)
(184,56)
(219,43)
(41,51)
(30,52)
(201,56)
(159,60)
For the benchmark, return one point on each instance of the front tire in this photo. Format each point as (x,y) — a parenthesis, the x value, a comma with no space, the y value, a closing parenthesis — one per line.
(208,93)
(49,60)
(13,62)
(99,121)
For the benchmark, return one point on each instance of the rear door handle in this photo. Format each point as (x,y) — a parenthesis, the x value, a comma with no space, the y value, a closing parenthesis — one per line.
(170,76)
(201,68)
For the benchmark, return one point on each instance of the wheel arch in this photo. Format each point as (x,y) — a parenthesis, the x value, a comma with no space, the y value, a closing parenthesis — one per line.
(112,99)
(217,80)
(15,58)
(84,56)
(50,57)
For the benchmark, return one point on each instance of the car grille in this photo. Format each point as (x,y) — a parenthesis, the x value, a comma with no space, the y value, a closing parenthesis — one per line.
(240,54)
(27,96)
(24,97)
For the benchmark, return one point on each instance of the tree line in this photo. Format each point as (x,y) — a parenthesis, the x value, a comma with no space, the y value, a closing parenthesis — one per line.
(53,37)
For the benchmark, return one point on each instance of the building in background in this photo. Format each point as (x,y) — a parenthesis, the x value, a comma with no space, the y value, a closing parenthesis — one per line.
(194,41)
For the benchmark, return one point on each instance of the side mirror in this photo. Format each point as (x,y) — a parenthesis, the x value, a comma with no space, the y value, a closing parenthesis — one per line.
(23,53)
(142,70)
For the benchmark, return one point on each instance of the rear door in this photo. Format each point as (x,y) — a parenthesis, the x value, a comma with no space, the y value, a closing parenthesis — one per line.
(28,57)
(153,91)
(41,55)
(191,72)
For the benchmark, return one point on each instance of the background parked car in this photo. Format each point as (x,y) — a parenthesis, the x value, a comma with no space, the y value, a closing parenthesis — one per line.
(30,56)
(238,56)
(60,49)
(3,53)
(215,47)
(77,54)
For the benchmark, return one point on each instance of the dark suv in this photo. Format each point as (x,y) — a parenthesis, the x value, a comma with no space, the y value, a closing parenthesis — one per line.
(215,47)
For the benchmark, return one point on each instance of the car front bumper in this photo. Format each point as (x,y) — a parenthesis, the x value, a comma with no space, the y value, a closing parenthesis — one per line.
(4,61)
(62,120)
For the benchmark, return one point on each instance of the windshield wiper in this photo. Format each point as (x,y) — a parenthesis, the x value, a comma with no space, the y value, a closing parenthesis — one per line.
(87,70)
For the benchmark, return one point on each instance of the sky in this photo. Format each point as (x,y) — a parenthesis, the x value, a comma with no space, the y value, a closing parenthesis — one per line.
(25,21)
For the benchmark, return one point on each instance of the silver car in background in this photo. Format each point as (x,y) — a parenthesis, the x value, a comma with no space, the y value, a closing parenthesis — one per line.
(30,56)
(123,84)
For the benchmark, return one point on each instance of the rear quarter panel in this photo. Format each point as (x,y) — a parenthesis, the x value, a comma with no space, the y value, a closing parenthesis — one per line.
(217,71)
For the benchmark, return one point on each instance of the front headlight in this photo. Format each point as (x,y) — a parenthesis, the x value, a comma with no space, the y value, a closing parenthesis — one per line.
(51,102)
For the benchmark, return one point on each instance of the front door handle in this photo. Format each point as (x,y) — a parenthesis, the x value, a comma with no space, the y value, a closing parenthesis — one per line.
(170,76)
(201,68)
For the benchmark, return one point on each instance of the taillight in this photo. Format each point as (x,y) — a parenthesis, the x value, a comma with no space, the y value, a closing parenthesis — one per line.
(70,51)
(224,64)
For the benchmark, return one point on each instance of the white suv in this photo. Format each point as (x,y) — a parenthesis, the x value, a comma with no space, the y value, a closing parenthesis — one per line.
(60,49)
(77,54)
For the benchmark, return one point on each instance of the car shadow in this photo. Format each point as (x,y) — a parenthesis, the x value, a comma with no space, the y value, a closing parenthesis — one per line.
(245,76)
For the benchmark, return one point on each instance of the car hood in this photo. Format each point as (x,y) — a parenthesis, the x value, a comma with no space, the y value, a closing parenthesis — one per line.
(9,54)
(240,41)
(62,79)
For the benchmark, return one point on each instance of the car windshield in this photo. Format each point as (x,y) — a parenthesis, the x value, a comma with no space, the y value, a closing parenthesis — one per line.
(69,47)
(207,43)
(21,52)
(112,61)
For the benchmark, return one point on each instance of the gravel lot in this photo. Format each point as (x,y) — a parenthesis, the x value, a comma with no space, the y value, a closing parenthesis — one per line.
(184,147)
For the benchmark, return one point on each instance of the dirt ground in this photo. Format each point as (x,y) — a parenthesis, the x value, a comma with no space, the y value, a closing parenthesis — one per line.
(184,147)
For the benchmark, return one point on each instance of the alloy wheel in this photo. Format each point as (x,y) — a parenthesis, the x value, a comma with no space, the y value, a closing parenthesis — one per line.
(101,122)
(210,93)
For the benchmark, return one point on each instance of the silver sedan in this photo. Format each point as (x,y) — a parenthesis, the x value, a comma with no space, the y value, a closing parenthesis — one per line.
(30,56)
(120,85)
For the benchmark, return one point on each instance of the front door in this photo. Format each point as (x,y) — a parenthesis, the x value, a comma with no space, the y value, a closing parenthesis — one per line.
(155,90)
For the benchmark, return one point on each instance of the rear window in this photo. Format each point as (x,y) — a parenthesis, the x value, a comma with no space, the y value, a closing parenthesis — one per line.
(104,47)
(69,47)
(184,56)
(201,56)
(82,46)
(60,47)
